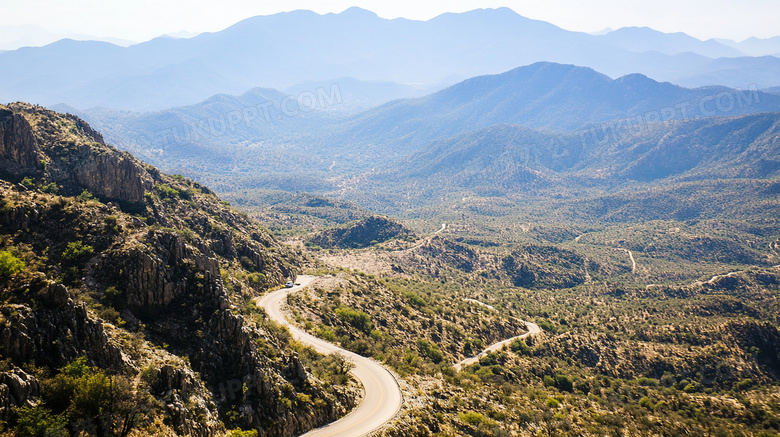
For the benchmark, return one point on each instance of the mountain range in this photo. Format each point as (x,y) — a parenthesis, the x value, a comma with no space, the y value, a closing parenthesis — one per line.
(167,72)
(253,131)
(544,96)
(587,244)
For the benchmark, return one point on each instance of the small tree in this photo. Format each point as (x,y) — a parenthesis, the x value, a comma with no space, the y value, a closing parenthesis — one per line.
(341,364)
(85,196)
(28,183)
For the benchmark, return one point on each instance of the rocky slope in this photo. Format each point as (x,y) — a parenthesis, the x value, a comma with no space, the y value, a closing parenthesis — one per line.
(363,233)
(147,276)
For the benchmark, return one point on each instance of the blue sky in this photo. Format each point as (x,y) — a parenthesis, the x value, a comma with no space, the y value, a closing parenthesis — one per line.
(140,20)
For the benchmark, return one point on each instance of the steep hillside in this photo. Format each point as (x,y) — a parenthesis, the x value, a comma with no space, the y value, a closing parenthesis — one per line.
(113,270)
(544,96)
(728,147)
(520,163)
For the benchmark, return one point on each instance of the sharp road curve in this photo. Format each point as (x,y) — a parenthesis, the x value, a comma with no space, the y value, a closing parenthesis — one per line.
(533,329)
(383,397)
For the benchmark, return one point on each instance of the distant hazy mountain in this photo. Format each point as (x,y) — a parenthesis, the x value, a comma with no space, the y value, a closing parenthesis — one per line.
(543,96)
(756,46)
(254,130)
(264,128)
(644,39)
(281,50)
(358,95)
(28,35)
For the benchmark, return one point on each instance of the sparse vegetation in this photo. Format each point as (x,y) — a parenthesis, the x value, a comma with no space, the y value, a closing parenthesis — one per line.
(656,297)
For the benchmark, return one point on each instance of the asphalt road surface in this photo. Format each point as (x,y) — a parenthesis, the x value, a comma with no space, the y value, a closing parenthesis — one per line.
(382,398)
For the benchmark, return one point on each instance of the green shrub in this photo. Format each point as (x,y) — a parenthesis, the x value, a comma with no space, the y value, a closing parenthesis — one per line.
(552,403)
(647,382)
(38,421)
(745,384)
(430,350)
(85,196)
(547,326)
(564,383)
(50,188)
(415,300)
(110,314)
(112,296)
(28,183)
(521,347)
(242,433)
(81,392)
(75,251)
(9,264)
(326,333)
(471,417)
(256,278)
(166,191)
(358,319)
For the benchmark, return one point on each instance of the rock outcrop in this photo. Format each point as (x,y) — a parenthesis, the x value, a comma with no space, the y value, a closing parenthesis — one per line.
(114,176)
(77,159)
(17,389)
(19,152)
(175,289)
(56,332)
(179,386)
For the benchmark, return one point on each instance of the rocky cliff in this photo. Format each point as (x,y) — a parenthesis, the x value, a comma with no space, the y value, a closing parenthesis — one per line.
(63,149)
(19,152)
(149,277)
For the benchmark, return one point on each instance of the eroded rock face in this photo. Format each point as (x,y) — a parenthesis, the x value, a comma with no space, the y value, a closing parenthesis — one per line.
(19,152)
(177,387)
(90,163)
(114,176)
(174,287)
(154,278)
(58,332)
(17,389)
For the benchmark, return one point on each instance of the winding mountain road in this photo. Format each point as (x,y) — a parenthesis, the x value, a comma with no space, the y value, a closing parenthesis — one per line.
(633,261)
(533,329)
(383,397)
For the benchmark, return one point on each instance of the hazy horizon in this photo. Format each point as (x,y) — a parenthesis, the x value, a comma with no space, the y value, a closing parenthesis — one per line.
(40,22)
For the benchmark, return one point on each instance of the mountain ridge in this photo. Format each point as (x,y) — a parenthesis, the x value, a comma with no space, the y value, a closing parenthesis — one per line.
(477,42)
(543,96)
